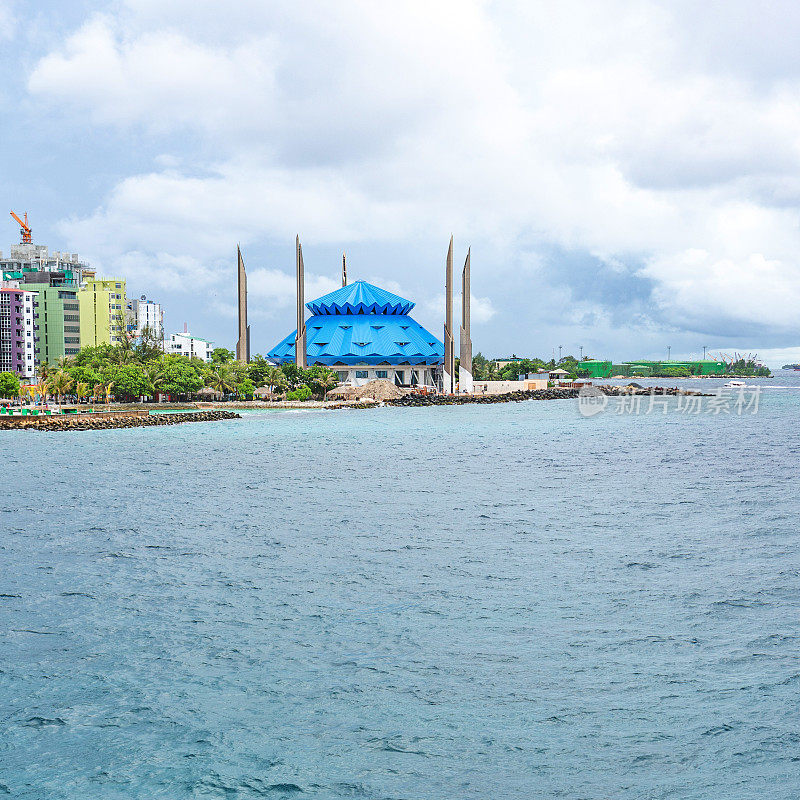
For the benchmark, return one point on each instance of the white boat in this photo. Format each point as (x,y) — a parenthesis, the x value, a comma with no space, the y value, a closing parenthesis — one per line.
(735,385)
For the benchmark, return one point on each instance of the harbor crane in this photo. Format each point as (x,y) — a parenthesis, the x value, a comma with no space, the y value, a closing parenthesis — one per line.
(24,228)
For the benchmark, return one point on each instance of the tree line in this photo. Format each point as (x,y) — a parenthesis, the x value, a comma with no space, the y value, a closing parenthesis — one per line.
(127,371)
(484,369)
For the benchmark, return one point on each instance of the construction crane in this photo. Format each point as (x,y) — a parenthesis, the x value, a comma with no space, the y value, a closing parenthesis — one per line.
(24,228)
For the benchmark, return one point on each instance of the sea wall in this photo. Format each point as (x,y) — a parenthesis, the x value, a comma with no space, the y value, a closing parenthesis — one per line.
(535,394)
(123,419)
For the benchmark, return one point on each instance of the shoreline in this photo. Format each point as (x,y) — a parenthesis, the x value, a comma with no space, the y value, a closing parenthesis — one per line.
(110,420)
(138,415)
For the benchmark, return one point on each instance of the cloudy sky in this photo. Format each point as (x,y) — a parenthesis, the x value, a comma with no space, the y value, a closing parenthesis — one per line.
(627,174)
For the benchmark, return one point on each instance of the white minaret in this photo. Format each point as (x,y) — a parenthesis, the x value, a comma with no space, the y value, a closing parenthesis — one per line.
(465,356)
(300,336)
(449,367)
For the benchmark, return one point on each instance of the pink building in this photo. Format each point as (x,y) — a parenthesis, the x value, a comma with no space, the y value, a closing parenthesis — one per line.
(18,331)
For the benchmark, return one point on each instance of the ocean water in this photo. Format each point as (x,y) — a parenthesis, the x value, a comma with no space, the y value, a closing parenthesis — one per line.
(507,601)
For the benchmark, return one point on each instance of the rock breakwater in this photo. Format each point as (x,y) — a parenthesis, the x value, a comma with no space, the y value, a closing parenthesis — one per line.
(94,422)
(415,400)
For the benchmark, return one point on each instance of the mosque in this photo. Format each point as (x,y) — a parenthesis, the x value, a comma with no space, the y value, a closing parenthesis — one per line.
(363,333)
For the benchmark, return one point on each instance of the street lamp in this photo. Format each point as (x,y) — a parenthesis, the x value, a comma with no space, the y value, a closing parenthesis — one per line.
(559,353)
(704,352)
(669,350)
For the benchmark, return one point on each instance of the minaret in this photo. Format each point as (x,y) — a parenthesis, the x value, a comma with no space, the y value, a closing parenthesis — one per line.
(300,337)
(243,343)
(465,364)
(449,356)
(344,270)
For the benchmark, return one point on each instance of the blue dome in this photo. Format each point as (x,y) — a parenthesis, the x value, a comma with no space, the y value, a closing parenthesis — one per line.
(362,324)
(359,298)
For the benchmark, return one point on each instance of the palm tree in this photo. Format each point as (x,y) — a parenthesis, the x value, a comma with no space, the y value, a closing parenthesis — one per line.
(327,380)
(97,390)
(64,362)
(43,371)
(155,376)
(107,389)
(61,383)
(219,379)
(44,389)
(122,353)
(81,390)
(273,378)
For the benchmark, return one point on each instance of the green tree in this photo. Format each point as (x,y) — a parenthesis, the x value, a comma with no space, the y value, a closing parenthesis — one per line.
(273,379)
(301,393)
(293,374)
(9,384)
(480,367)
(149,347)
(245,389)
(220,355)
(154,372)
(60,383)
(182,376)
(220,378)
(319,379)
(129,381)
(257,369)
(43,371)
(83,374)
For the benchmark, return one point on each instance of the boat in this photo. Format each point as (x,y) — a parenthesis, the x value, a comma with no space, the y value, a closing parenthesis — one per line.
(735,385)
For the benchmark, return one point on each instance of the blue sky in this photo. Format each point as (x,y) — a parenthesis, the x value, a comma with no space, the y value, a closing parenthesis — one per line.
(627,174)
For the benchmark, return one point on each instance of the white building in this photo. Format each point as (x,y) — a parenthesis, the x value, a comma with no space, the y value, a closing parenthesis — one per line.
(146,314)
(184,344)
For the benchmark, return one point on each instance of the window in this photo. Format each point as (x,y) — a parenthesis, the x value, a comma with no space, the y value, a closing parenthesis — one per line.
(342,376)
(362,373)
(381,373)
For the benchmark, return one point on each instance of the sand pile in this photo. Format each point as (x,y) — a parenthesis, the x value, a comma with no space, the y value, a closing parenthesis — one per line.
(379,389)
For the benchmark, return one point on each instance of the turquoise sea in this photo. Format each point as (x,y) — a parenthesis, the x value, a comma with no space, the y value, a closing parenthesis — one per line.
(508,601)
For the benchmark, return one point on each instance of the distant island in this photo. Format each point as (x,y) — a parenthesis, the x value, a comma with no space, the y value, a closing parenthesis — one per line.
(512,367)
(791,366)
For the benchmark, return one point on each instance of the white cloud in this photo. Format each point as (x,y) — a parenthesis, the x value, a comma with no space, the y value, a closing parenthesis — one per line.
(590,127)
(278,288)
(481,309)
(8,22)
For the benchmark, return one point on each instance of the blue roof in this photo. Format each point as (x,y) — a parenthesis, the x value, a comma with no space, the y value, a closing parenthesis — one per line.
(359,298)
(362,324)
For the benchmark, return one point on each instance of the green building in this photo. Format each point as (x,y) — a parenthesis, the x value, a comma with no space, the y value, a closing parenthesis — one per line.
(645,369)
(56,277)
(102,304)
(59,322)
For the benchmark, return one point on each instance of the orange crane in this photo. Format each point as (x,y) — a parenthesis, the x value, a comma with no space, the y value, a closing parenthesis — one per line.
(24,228)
